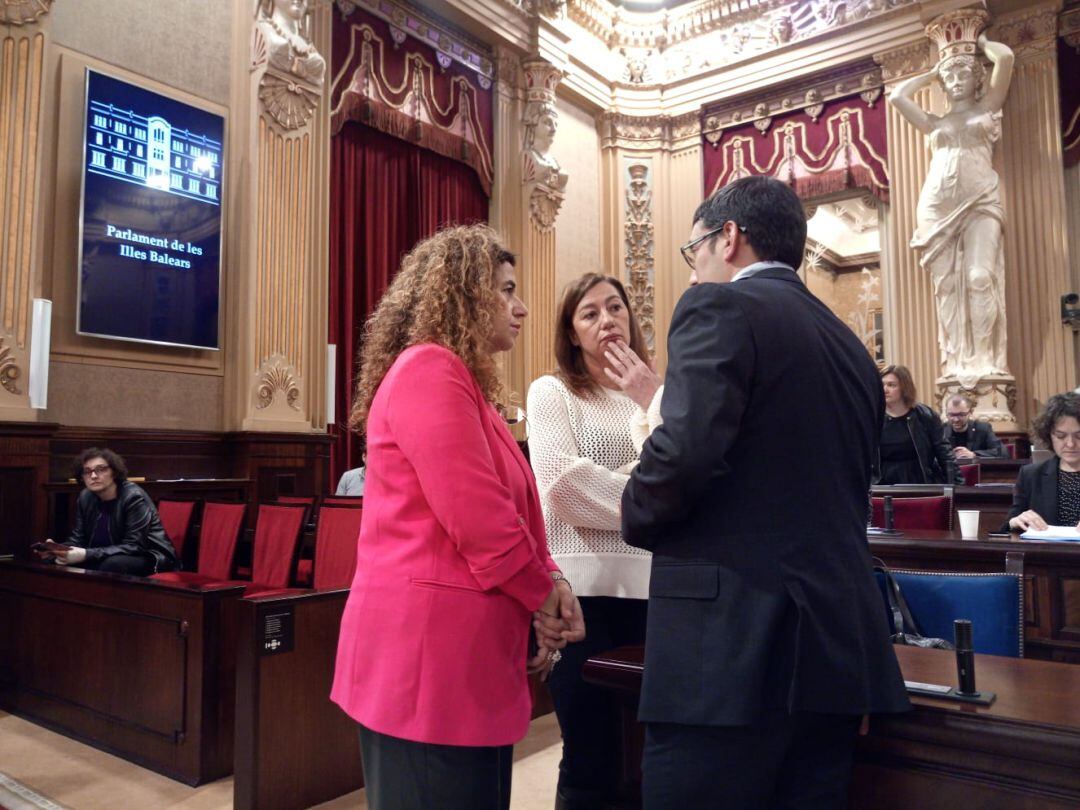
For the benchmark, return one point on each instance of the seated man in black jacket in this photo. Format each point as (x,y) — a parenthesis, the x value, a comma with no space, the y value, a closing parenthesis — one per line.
(117,528)
(970,439)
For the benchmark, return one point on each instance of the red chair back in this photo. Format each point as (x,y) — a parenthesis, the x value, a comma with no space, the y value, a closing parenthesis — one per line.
(307,501)
(176,520)
(343,500)
(276,543)
(221,523)
(933,513)
(971,474)
(335,546)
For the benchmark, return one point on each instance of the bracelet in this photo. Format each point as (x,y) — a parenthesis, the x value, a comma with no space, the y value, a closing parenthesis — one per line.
(557,576)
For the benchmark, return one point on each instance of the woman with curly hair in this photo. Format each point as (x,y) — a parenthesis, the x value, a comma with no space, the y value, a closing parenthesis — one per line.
(1049,492)
(452,560)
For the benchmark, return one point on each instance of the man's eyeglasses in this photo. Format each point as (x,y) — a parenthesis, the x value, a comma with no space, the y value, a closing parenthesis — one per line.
(689,250)
(956,415)
(99,470)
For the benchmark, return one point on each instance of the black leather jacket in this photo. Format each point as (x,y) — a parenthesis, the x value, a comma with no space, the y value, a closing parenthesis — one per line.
(932,449)
(135,527)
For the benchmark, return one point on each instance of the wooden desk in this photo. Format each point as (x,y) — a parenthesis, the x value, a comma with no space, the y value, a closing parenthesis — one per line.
(294,748)
(1051,580)
(993,501)
(141,669)
(1021,752)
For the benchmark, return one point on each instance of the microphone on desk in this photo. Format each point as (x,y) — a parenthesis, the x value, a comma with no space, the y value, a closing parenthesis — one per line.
(889,515)
(965,657)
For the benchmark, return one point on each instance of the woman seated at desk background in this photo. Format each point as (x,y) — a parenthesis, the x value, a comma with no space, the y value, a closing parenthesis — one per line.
(913,447)
(117,528)
(1048,493)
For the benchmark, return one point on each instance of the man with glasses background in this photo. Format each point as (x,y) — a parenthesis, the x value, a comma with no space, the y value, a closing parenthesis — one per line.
(765,641)
(117,528)
(970,439)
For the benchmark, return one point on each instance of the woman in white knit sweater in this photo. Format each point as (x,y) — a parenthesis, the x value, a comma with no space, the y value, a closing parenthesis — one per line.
(581,421)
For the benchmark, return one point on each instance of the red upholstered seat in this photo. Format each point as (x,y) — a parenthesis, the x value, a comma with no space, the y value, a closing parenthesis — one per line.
(176,519)
(335,546)
(307,501)
(276,543)
(343,500)
(218,535)
(971,473)
(933,513)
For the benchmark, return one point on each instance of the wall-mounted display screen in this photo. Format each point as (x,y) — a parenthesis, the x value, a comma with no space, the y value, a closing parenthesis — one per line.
(150,251)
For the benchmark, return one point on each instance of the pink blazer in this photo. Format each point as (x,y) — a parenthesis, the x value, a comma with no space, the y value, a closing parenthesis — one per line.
(452,560)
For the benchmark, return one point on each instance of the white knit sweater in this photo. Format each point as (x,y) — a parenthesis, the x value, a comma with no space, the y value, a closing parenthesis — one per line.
(582,454)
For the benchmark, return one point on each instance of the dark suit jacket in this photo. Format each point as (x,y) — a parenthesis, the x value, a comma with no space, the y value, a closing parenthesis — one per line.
(981,440)
(1036,488)
(752,496)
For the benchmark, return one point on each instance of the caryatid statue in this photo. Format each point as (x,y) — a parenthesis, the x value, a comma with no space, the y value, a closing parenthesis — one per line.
(959,216)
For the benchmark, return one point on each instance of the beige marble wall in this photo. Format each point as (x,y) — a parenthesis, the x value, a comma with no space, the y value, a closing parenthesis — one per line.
(577,146)
(181,49)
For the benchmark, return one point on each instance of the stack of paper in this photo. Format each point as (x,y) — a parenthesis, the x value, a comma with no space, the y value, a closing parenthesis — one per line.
(1062,534)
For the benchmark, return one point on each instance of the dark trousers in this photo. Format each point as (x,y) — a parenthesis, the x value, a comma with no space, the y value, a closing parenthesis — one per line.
(405,775)
(785,761)
(588,716)
(134,565)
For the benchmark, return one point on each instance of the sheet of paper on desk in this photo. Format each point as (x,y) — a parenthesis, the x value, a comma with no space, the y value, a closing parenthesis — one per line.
(1052,533)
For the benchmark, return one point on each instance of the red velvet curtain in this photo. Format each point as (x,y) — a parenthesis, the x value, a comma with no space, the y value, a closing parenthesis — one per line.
(386,195)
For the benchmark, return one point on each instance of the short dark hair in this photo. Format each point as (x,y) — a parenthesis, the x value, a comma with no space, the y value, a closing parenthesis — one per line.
(1058,407)
(768,209)
(568,356)
(907,385)
(114,460)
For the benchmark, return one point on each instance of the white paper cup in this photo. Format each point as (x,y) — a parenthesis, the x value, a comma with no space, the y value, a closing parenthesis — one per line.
(969,523)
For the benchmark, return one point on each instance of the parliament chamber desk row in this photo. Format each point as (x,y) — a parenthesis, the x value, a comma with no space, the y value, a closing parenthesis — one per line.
(194,682)
(1023,751)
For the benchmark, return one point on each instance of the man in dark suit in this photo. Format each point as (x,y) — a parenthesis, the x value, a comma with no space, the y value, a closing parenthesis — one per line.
(766,637)
(970,439)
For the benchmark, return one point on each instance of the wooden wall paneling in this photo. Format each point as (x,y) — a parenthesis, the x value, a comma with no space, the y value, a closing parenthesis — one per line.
(24,470)
(294,748)
(155,685)
(148,453)
(281,463)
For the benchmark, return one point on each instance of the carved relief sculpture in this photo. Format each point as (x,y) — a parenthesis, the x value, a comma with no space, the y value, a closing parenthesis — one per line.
(22,12)
(540,170)
(293,80)
(959,215)
(639,231)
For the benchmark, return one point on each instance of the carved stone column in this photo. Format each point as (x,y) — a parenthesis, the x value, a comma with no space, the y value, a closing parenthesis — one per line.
(509,208)
(1041,351)
(279,364)
(543,186)
(650,185)
(23,37)
(910,325)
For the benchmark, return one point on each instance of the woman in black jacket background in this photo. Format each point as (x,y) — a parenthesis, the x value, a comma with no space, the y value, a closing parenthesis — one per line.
(117,528)
(1048,493)
(913,447)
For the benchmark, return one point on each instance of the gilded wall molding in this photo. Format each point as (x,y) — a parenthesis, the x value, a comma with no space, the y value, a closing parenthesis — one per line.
(618,130)
(293,70)
(450,43)
(9,369)
(907,60)
(1069,27)
(1031,33)
(276,376)
(23,12)
(640,233)
(809,94)
(667,45)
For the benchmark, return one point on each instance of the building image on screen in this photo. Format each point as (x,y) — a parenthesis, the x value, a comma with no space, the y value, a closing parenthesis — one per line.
(150,258)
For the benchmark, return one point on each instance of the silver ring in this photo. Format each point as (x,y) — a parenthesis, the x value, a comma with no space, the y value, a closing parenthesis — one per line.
(555,656)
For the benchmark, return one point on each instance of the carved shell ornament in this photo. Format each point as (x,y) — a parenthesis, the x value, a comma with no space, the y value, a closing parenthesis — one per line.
(287,102)
(21,12)
(9,371)
(277,378)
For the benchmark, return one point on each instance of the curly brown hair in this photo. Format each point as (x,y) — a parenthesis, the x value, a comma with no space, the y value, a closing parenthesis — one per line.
(1058,407)
(445,294)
